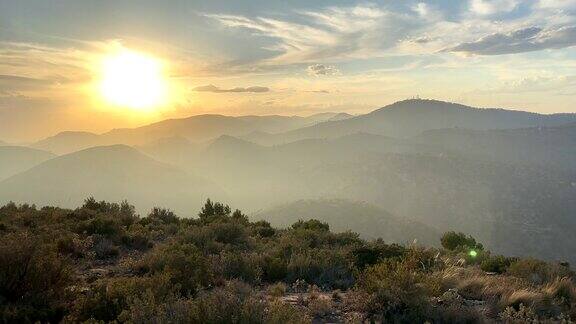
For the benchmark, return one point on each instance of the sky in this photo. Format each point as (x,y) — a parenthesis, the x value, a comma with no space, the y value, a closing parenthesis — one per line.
(297,57)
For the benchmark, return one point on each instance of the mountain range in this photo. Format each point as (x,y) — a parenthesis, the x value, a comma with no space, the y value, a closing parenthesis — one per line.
(419,166)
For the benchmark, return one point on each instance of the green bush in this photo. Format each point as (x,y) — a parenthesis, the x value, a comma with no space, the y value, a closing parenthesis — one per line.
(325,268)
(312,224)
(393,292)
(459,241)
(33,280)
(184,264)
(375,252)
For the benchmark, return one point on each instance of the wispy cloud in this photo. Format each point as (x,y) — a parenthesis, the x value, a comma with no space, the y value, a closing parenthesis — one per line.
(331,34)
(491,7)
(215,89)
(519,41)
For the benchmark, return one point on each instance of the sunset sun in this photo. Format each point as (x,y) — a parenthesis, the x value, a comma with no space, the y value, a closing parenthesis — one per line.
(133,80)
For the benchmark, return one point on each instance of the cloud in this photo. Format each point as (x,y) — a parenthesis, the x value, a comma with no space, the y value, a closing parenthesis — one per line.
(519,41)
(322,70)
(535,83)
(557,4)
(329,34)
(215,89)
(491,7)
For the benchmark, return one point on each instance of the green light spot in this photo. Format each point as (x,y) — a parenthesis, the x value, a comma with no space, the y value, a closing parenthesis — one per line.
(473,253)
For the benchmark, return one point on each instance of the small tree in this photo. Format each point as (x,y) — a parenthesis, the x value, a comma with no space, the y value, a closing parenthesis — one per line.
(459,241)
(212,211)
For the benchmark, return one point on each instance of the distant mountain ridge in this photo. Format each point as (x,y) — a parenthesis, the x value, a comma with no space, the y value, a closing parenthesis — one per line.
(16,159)
(195,129)
(108,172)
(411,117)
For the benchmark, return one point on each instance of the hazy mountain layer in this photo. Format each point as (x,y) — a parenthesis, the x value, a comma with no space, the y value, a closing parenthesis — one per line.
(545,146)
(15,159)
(112,172)
(196,129)
(411,117)
(507,177)
(367,220)
(67,142)
(515,209)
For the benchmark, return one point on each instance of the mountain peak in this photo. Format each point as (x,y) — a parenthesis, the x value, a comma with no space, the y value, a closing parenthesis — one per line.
(419,104)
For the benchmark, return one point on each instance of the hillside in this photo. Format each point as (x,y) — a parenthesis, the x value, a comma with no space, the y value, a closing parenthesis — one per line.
(545,146)
(15,159)
(411,117)
(105,172)
(343,215)
(512,208)
(101,262)
(68,142)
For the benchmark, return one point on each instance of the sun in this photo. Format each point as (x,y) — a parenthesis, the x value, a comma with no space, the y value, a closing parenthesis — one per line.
(133,80)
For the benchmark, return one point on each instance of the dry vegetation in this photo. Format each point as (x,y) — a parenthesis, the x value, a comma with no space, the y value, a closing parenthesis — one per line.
(103,263)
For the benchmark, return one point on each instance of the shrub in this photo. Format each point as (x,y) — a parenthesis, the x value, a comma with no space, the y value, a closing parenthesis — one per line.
(563,290)
(324,268)
(537,271)
(312,224)
(459,241)
(33,280)
(392,291)
(372,253)
(163,216)
(183,263)
(273,268)
(240,266)
(107,299)
(103,248)
(263,229)
(498,264)
(104,225)
(277,289)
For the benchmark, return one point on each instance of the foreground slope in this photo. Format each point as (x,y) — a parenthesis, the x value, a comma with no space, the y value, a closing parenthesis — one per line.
(15,159)
(107,172)
(103,263)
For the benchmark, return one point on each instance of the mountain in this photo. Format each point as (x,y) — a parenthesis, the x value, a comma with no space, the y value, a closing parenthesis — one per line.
(367,220)
(514,208)
(15,159)
(545,146)
(206,127)
(68,142)
(174,150)
(411,117)
(194,129)
(109,173)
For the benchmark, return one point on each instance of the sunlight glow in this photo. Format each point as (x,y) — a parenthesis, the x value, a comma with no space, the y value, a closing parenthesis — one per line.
(133,80)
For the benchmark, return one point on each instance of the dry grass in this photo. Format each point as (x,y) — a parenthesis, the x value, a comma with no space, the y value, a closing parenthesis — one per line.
(507,293)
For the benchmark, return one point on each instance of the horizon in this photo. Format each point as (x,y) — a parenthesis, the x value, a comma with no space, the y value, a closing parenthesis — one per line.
(60,60)
(105,131)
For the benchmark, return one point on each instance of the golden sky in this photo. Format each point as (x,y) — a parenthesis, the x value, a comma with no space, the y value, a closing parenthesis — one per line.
(278,57)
